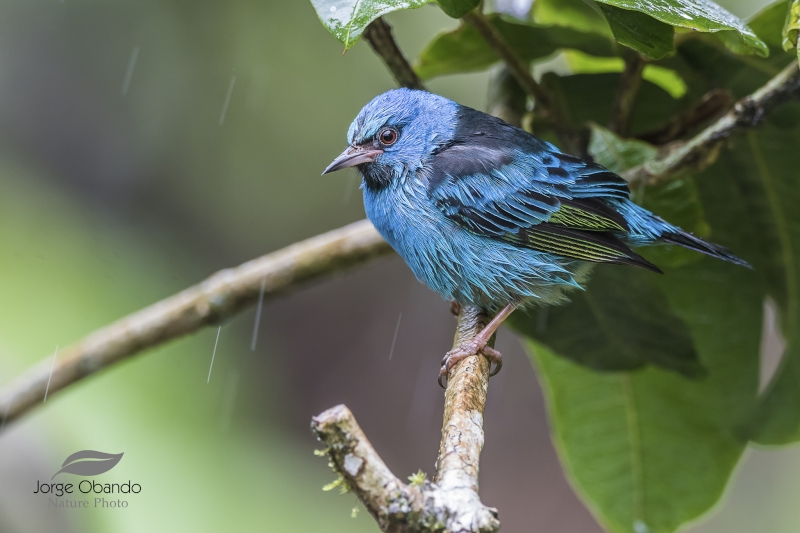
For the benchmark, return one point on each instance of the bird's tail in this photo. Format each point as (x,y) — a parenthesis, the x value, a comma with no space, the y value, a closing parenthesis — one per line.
(687,240)
(647,228)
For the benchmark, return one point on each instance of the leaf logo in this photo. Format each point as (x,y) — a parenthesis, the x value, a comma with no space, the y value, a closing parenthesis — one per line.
(89,463)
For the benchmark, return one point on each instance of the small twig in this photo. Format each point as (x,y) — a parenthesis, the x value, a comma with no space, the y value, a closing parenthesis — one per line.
(710,106)
(548,107)
(212,301)
(392,503)
(701,150)
(516,66)
(451,503)
(629,83)
(379,35)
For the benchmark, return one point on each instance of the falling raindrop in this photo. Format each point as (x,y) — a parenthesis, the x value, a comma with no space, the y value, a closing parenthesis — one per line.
(126,83)
(227,100)
(228,400)
(396,330)
(47,389)
(348,190)
(212,356)
(258,315)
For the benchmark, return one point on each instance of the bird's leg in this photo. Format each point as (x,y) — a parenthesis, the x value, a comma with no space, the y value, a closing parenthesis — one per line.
(478,344)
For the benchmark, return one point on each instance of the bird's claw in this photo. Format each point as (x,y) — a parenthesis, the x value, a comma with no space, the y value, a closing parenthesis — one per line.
(469,349)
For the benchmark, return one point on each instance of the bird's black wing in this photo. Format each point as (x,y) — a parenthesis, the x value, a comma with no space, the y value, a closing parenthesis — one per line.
(501,182)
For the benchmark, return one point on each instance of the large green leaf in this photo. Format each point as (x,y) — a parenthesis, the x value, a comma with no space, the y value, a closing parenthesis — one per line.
(763,165)
(464,50)
(604,328)
(650,450)
(698,15)
(346,19)
(648,36)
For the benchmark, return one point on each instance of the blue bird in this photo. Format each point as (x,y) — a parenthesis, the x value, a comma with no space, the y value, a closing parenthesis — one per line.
(488,215)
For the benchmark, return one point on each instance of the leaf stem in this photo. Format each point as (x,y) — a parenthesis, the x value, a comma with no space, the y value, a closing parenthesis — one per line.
(625,99)
(379,35)
(702,149)
(547,105)
(710,106)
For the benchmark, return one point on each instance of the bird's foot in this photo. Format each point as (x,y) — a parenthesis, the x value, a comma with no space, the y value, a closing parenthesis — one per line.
(469,349)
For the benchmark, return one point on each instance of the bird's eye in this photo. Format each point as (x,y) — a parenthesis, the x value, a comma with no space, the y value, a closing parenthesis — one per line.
(387,136)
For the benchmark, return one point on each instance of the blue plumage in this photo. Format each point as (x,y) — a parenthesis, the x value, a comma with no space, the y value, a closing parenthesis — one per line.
(488,215)
(485,213)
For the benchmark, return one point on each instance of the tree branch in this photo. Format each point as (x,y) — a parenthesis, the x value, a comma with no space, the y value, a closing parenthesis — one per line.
(223,295)
(548,107)
(710,106)
(629,83)
(379,35)
(701,150)
(451,503)
(212,301)
(518,68)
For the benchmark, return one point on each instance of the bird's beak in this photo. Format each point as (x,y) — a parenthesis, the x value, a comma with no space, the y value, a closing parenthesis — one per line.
(354,155)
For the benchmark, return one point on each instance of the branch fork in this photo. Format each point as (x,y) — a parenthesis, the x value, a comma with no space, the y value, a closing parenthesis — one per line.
(450,503)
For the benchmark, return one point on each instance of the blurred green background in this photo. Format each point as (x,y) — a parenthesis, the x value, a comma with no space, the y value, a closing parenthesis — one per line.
(117,190)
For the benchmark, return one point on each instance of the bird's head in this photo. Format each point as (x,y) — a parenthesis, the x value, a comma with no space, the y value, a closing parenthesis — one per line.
(397,132)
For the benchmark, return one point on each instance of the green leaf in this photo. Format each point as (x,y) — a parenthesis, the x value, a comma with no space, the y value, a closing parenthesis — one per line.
(763,166)
(464,50)
(617,154)
(617,331)
(346,19)
(650,450)
(791,26)
(760,169)
(576,14)
(704,65)
(648,36)
(667,79)
(457,8)
(768,23)
(699,15)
